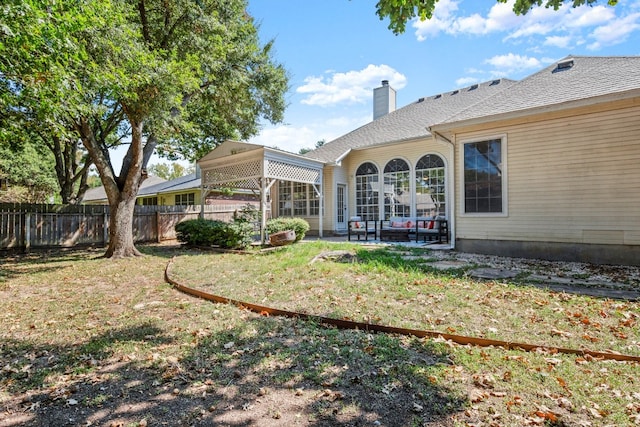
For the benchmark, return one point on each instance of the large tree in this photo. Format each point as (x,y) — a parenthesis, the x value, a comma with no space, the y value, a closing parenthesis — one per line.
(185,75)
(400,12)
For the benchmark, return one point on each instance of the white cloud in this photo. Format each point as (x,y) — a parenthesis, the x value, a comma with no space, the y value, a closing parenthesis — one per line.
(292,138)
(466,81)
(351,87)
(441,20)
(585,16)
(557,41)
(513,62)
(560,28)
(286,138)
(615,32)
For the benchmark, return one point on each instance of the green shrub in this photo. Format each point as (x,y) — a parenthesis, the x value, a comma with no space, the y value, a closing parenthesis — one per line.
(248,213)
(206,232)
(299,225)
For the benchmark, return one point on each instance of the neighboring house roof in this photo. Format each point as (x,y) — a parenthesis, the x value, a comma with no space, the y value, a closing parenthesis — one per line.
(409,122)
(98,193)
(574,78)
(187,182)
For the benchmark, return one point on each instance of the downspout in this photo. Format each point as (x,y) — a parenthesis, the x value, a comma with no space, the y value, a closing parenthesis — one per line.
(452,204)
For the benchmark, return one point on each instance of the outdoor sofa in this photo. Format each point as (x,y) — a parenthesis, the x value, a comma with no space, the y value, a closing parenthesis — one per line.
(402,229)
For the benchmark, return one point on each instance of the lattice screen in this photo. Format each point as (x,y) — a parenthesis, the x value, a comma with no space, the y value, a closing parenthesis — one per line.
(242,175)
(287,172)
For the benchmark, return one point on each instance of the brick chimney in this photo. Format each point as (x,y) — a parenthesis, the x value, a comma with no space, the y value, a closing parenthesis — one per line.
(384,100)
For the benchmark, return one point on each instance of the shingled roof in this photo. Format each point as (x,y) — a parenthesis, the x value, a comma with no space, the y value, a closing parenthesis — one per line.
(573,78)
(409,122)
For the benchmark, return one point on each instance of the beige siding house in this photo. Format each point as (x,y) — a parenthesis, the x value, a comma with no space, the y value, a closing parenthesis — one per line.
(545,167)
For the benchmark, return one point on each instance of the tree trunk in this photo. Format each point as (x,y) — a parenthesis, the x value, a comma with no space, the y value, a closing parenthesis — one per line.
(121,190)
(121,227)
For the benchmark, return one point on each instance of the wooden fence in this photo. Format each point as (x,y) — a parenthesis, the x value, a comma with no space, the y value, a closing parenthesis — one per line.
(25,226)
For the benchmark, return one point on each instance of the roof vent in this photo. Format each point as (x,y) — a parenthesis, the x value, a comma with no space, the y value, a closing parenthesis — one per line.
(437,96)
(474,87)
(455,92)
(420,100)
(564,65)
(495,82)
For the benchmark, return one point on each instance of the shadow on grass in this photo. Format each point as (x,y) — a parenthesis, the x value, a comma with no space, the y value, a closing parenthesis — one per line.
(265,371)
(14,265)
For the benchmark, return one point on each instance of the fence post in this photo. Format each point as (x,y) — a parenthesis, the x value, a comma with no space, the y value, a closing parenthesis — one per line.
(158,227)
(105,225)
(27,231)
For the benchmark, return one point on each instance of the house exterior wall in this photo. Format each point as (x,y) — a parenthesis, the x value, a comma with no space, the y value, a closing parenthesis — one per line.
(573,187)
(169,198)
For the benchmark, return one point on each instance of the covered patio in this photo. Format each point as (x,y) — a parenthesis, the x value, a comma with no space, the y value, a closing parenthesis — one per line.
(242,166)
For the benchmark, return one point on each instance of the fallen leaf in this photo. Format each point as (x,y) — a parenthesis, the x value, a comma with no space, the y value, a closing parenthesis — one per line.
(565,403)
(477,395)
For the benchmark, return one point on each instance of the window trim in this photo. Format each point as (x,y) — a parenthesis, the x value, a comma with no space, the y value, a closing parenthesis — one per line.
(182,196)
(310,198)
(376,206)
(411,186)
(446,193)
(505,180)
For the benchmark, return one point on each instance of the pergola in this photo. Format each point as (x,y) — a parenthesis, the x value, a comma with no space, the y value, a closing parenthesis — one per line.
(240,165)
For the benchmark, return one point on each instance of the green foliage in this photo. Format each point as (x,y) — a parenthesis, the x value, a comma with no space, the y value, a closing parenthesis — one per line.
(400,12)
(169,171)
(29,174)
(249,213)
(299,225)
(206,232)
(319,144)
(160,74)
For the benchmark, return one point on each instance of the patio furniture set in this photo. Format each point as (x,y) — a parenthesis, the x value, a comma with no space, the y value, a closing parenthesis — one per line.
(400,229)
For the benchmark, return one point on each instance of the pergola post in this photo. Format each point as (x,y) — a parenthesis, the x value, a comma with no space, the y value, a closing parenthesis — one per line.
(263,211)
(321,207)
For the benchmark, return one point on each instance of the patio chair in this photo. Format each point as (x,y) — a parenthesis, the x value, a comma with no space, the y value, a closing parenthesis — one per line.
(358,227)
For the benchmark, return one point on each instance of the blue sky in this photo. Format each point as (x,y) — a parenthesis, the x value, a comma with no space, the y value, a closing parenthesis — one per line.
(338,51)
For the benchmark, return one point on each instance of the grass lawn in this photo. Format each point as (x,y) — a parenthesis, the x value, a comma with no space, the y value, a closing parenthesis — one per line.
(89,341)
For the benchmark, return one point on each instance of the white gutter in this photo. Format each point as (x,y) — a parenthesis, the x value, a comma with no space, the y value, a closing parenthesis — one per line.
(338,161)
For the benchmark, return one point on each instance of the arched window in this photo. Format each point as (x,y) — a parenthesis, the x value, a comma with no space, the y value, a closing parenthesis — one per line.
(397,191)
(367,192)
(430,186)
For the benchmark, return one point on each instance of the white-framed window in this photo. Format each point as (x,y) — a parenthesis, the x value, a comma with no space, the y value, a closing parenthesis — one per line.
(285,207)
(430,186)
(484,176)
(397,190)
(314,201)
(149,201)
(186,199)
(367,192)
(297,199)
